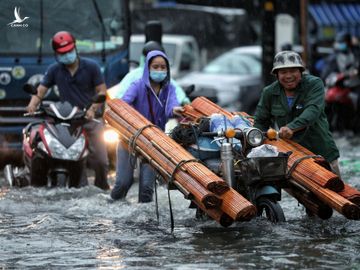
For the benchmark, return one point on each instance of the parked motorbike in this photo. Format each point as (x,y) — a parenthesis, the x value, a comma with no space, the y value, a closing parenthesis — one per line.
(258,177)
(341,97)
(54,146)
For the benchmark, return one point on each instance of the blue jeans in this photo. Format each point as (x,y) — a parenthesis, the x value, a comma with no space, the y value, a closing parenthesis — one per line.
(124,177)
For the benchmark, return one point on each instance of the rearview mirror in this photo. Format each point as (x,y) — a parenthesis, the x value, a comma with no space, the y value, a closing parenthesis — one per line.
(30,89)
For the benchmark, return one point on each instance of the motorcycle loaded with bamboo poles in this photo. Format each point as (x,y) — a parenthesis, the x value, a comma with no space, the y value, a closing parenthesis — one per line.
(234,150)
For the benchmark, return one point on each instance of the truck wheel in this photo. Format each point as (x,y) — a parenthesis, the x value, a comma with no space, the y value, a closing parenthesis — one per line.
(271,209)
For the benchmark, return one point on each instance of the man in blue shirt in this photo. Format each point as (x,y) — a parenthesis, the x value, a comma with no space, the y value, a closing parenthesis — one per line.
(78,80)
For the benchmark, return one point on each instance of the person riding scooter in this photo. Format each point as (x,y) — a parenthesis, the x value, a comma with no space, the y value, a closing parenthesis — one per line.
(345,58)
(78,80)
(55,146)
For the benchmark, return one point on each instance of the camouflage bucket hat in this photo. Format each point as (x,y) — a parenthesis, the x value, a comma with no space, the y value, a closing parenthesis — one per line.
(287,59)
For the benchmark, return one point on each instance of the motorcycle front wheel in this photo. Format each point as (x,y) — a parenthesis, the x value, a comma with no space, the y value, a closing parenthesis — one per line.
(270,209)
(59,180)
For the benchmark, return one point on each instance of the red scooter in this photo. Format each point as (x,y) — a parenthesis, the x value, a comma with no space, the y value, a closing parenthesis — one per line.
(54,146)
(341,97)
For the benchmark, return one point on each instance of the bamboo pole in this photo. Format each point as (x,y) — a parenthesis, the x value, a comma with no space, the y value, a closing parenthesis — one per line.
(307,167)
(348,192)
(308,199)
(170,148)
(235,209)
(334,200)
(216,214)
(208,199)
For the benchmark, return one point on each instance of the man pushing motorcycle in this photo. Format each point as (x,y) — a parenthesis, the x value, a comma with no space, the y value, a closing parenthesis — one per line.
(78,80)
(294,104)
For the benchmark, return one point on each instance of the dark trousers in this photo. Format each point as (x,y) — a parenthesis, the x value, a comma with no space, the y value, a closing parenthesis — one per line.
(97,159)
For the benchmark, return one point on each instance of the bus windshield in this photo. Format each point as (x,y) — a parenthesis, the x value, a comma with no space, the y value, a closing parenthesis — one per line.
(81,18)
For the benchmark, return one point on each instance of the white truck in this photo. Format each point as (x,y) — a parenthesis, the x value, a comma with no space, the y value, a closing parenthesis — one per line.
(182,51)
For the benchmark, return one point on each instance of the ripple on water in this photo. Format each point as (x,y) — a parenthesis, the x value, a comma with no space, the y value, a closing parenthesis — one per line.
(83,228)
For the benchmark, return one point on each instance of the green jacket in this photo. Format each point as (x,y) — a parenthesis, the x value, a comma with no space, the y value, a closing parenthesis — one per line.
(307,111)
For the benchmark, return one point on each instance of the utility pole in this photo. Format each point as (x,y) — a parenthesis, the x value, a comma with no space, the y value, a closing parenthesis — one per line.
(268,40)
(304,30)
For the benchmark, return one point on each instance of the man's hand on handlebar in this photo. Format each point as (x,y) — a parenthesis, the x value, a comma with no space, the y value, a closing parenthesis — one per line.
(31,108)
(90,113)
(285,133)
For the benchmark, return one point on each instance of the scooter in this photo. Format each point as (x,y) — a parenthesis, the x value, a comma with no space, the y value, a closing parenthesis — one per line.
(54,146)
(341,97)
(258,177)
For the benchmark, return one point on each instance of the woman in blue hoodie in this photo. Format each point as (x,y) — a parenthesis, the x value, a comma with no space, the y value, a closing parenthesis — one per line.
(155,98)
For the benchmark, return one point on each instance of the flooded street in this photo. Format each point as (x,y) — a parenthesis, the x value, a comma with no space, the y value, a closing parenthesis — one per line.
(78,228)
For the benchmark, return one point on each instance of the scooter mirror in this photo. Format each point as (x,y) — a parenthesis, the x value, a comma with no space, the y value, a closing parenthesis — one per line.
(189,89)
(29,88)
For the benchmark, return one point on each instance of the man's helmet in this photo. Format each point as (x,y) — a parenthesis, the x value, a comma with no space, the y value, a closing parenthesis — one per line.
(287,59)
(63,42)
(152,46)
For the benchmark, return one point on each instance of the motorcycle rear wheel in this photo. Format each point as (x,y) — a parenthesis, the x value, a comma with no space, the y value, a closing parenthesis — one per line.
(272,210)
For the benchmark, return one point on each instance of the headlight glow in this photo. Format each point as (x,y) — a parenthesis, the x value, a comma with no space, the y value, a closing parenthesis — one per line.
(111,136)
(254,137)
(57,150)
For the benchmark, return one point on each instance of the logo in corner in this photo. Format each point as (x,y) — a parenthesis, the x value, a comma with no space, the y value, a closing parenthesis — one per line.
(18,22)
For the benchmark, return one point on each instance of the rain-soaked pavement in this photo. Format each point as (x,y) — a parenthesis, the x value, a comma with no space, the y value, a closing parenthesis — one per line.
(81,228)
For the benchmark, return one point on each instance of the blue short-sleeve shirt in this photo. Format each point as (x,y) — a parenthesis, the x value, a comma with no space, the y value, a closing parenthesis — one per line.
(79,88)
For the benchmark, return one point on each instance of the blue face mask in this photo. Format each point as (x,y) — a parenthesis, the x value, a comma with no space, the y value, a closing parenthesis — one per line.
(67,58)
(158,75)
(341,46)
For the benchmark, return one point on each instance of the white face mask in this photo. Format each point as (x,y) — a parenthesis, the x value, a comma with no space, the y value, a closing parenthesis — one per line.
(67,58)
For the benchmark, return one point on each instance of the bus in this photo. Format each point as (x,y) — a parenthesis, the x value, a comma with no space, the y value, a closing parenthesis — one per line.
(102,32)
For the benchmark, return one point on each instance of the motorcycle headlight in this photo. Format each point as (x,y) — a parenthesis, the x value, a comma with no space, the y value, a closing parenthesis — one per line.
(254,137)
(42,147)
(111,136)
(57,150)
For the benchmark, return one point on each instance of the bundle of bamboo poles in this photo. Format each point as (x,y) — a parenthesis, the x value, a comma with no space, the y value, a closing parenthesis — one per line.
(308,173)
(347,191)
(307,168)
(191,177)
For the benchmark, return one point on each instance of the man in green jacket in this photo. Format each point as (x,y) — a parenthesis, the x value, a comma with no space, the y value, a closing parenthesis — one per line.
(294,105)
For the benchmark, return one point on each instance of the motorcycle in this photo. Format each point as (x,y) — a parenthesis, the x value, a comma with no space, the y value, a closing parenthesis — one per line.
(54,146)
(341,97)
(239,156)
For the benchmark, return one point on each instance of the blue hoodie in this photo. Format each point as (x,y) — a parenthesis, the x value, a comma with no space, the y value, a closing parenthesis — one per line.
(140,93)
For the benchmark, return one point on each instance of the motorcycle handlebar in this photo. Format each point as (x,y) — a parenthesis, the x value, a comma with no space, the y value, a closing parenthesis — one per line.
(230,133)
(210,134)
(33,114)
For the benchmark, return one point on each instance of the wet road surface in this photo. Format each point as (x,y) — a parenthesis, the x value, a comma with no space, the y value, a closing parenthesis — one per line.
(83,228)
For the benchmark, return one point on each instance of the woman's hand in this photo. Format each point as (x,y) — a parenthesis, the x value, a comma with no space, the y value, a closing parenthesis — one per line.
(178,111)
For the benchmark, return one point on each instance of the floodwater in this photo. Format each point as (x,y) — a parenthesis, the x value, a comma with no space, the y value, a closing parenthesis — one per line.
(81,228)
